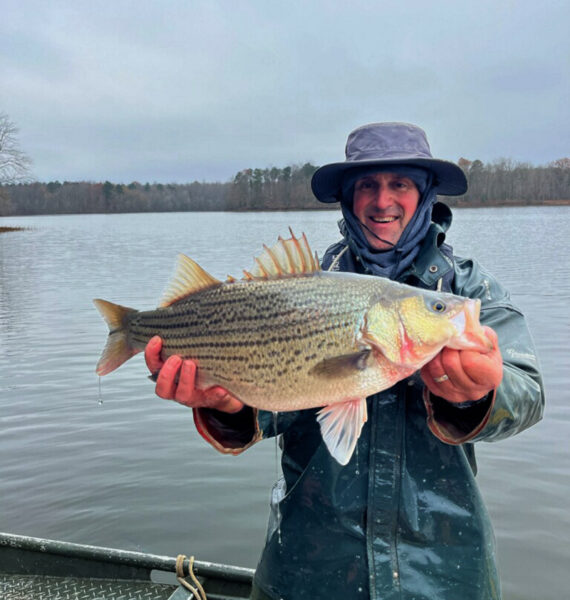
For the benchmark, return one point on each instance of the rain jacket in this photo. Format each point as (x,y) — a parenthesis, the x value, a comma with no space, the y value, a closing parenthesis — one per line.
(404,519)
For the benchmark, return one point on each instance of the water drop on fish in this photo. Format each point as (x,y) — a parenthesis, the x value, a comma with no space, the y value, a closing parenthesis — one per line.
(100,394)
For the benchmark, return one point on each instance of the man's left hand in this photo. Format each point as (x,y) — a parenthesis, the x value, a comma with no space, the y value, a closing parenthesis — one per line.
(464,375)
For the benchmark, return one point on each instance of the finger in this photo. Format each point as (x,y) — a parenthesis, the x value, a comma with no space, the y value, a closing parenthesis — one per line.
(233,405)
(455,385)
(431,372)
(442,367)
(444,389)
(428,382)
(220,399)
(483,369)
(168,378)
(434,367)
(492,335)
(186,392)
(152,356)
(453,368)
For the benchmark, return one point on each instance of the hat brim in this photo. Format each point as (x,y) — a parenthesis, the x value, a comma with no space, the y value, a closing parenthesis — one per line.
(326,182)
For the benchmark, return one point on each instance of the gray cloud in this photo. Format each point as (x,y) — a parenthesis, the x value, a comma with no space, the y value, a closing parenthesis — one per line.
(198,90)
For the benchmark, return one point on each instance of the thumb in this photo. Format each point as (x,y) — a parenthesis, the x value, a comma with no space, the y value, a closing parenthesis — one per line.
(220,399)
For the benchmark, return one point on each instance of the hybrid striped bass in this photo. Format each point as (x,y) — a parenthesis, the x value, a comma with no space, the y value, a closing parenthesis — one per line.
(289,336)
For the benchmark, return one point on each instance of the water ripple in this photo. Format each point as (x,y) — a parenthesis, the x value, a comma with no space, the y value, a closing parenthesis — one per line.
(116,473)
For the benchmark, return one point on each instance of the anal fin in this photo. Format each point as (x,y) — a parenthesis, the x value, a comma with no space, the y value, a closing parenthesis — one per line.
(341,425)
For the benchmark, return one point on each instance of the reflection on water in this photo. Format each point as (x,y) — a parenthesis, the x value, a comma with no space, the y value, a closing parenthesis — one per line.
(132,472)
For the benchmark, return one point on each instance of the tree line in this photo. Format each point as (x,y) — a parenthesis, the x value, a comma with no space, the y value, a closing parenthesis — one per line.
(505,182)
(250,189)
(502,182)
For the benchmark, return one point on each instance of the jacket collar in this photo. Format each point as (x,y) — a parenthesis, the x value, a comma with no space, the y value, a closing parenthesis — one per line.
(432,262)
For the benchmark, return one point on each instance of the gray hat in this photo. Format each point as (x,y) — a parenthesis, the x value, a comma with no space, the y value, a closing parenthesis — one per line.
(384,144)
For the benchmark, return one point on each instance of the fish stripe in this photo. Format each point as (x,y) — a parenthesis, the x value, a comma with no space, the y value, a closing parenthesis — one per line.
(283,339)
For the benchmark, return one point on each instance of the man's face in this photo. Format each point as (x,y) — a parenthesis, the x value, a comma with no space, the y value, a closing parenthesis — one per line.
(384,203)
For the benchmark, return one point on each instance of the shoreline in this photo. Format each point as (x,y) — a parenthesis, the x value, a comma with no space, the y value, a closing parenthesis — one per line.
(10,229)
(453,205)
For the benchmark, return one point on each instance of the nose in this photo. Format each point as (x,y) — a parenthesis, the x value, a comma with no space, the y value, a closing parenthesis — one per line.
(383,197)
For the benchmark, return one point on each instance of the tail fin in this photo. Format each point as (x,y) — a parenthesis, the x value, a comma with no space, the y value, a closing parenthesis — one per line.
(117,350)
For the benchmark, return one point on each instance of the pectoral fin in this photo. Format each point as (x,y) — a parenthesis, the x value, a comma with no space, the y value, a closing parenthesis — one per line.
(341,366)
(341,425)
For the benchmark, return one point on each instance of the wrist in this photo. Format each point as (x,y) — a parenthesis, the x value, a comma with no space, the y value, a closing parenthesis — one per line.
(470,403)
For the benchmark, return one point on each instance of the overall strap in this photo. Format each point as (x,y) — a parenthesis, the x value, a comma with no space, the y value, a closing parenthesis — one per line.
(445,283)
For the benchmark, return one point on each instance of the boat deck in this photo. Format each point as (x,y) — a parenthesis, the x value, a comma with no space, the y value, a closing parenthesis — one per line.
(32,587)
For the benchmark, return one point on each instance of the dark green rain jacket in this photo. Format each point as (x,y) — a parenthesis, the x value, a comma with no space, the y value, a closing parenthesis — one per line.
(404,519)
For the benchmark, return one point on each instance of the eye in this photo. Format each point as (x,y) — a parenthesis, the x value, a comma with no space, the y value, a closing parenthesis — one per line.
(404,184)
(438,306)
(364,185)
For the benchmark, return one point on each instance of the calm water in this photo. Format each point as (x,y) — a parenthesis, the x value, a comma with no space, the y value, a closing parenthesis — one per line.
(114,465)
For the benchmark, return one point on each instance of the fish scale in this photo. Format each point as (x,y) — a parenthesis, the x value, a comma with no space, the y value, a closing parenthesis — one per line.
(290,336)
(264,323)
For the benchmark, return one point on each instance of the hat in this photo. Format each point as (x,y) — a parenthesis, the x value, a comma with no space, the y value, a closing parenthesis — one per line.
(384,144)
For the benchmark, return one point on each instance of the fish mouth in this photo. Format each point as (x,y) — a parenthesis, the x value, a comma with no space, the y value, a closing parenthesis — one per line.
(470,334)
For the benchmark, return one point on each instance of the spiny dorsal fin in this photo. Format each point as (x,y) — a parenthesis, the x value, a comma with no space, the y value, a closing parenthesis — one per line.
(287,257)
(189,278)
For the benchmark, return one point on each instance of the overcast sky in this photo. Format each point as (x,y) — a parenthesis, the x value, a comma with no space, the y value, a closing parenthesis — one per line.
(184,90)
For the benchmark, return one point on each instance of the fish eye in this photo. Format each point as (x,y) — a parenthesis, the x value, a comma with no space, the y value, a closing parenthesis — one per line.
(438,306)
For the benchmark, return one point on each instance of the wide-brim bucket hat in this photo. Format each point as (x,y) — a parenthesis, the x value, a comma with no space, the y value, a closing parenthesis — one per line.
(382,144)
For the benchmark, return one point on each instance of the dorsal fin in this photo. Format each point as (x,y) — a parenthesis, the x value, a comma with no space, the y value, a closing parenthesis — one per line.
(188,278)
(287,257)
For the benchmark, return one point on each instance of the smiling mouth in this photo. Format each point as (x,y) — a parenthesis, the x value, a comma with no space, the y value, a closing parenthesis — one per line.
(383,219)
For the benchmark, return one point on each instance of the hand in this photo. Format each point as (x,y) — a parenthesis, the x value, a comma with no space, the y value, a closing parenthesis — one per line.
(177,381)
(471,374)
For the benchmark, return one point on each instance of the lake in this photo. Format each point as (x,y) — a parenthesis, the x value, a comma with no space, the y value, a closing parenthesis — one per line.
(108,463)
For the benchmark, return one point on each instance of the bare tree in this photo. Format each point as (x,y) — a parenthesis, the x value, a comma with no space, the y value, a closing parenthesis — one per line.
(14,164)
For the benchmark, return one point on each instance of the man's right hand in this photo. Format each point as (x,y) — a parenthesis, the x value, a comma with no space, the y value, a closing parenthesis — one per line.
(177,381)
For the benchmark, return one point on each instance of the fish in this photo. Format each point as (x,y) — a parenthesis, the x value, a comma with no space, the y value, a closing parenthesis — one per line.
(290,336)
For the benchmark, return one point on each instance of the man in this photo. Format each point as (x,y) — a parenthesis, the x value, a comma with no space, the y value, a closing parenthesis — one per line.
(404,519)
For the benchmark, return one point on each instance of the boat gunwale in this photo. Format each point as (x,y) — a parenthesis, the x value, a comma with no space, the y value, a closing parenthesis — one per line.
(128,558)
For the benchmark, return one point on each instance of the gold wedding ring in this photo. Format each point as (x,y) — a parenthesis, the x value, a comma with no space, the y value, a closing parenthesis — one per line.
(441,379)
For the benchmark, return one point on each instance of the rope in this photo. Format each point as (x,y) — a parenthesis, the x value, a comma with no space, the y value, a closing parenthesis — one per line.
(198,591)
(337,258)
